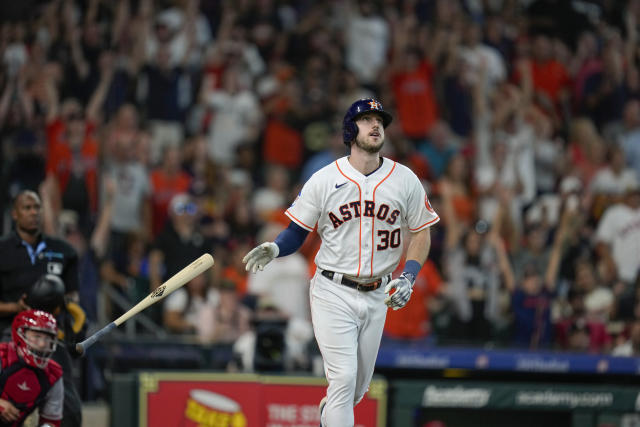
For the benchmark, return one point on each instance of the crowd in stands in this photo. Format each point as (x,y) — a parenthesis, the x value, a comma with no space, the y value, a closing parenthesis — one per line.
(155,131)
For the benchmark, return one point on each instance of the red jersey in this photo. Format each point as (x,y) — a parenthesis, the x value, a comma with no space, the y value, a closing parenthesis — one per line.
(164,188)
(60,159)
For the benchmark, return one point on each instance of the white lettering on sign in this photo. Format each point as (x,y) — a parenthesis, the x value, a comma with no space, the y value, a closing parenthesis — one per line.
(278,412)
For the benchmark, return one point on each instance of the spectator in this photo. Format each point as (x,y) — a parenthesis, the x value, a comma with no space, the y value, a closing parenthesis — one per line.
(475,54)
(631,347)
(618,236)
(609,183)
(412,81)
(584,330)
(367,39)
(167,180)
(534,251)
(333,151)
(164,83)
(225,322)
(131,206)
(184,309)
(531,300)
(605,92)
(472,273)
(234,270)
(549,77)
(272,198)
(457,192)
(630,135)
(179,243)
(440,146)
(237,117)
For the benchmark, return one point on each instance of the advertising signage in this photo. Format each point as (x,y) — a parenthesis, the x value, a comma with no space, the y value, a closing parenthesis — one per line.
(244,400)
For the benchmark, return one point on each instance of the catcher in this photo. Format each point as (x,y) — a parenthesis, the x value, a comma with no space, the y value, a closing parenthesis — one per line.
(28,378)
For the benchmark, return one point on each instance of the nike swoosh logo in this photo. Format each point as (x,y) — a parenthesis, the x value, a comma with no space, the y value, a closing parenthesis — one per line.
(338,186)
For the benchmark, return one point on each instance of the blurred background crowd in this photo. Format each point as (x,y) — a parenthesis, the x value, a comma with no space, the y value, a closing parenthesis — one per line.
(155,131)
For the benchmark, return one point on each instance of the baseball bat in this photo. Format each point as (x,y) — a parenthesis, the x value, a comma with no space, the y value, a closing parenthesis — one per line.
(176,281)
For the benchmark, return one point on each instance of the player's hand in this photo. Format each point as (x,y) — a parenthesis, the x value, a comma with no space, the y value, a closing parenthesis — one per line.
(8,412)
(73,350)
(260,256)
(403,286)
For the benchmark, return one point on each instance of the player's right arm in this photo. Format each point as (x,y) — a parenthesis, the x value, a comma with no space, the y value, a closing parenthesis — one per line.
(304,214)
(287,242)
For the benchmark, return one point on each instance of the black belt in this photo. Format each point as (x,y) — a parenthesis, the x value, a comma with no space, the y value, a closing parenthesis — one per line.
(365,287)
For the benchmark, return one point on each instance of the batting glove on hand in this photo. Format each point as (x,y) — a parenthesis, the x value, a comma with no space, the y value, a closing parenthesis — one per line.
(260,256)
(403,286)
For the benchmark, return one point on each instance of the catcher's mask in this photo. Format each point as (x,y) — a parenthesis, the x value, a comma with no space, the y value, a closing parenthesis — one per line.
(357,109)
(37,347)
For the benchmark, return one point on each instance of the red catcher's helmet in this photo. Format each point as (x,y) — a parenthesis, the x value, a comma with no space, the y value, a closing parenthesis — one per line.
(34,353)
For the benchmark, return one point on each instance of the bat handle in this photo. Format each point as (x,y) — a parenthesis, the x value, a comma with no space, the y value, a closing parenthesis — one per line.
(81,347)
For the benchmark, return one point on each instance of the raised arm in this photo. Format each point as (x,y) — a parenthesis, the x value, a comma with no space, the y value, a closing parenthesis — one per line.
(122,18)
(73,32)
(100,93)
(497,242)
(562,233)
(5,101)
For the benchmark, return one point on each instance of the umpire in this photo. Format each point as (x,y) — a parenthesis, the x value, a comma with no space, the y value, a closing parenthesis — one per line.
(27,254)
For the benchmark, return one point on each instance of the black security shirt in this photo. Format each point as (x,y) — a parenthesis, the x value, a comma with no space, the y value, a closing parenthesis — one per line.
(20,267)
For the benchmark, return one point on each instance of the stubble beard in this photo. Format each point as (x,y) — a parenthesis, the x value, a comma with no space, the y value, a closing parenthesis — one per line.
(369,148)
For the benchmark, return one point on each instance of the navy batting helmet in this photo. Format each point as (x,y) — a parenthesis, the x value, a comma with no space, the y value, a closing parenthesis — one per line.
(358,108)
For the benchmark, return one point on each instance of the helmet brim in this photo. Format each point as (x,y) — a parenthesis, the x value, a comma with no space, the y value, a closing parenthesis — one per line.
(386,117)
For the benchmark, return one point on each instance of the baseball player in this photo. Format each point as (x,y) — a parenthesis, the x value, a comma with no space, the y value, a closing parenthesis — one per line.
(359,203)
(29,379)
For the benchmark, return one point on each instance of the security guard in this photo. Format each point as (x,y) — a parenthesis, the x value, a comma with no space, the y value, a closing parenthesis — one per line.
(26,254)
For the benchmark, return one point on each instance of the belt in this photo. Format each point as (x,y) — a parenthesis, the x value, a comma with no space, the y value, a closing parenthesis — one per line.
(364,287)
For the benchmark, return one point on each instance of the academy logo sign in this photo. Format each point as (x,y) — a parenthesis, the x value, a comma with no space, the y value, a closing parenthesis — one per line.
(458,397)
(564,399)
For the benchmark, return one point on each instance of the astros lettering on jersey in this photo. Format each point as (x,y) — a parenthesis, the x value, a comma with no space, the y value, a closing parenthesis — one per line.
(360,217)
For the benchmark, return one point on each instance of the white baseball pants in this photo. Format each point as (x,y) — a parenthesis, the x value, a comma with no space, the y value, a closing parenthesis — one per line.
(348,327)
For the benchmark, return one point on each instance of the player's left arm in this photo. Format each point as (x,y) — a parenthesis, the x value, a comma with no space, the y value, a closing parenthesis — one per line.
(419,247)
(51,408)
(417,252)
(420,217)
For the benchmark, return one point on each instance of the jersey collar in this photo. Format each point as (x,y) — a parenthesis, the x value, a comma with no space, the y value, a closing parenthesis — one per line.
(355,174)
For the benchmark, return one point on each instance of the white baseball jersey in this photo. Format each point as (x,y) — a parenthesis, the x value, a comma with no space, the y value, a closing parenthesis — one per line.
(360,217)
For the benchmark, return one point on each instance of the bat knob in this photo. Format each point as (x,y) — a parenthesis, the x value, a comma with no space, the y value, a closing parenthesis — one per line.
(76,351)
